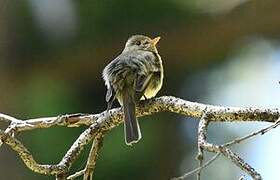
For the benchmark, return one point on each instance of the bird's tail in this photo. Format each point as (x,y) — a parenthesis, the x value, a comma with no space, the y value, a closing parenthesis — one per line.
(131,125)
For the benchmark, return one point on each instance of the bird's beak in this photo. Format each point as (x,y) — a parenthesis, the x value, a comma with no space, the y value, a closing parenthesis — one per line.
(155,41)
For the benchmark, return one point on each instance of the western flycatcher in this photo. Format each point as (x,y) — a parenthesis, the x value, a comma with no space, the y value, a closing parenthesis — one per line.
(137,73)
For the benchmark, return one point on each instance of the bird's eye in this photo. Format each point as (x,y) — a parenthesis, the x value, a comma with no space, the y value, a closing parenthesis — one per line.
(138,43)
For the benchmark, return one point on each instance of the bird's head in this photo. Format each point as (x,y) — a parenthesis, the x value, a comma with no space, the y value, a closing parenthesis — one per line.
(141,42)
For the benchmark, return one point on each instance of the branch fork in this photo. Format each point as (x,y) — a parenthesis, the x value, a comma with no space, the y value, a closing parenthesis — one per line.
(99,124)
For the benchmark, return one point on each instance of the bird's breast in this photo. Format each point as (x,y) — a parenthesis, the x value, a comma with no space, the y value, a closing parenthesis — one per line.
(155,85)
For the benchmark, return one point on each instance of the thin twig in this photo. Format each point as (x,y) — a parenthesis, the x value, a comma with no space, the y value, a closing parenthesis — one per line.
(200,139)
(7,118)
(91,162)
(66,161)
(238,161)
(200,161)
(27,158)
(261,131)
(76,174)
(198,169)
(92,158)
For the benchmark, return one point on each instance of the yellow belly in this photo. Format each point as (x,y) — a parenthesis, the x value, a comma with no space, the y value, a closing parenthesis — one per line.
(151,91)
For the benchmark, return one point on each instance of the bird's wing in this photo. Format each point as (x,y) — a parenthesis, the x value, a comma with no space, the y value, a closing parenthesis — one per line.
(109,94)
(139,63)
(142,82)
(110,98)
(144,79)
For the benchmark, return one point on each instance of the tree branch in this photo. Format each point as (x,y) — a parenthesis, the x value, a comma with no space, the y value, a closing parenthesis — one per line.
(199,168)
(238,161)
(261,131)
(91,162)
(104,121)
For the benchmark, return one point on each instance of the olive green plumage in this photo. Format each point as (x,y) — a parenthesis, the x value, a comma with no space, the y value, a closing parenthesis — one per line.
(137,73)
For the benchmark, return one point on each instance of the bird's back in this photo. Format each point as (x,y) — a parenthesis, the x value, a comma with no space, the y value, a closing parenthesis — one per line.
(129,64)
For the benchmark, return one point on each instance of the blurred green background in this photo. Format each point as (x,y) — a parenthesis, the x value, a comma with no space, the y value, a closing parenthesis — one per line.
(219,52)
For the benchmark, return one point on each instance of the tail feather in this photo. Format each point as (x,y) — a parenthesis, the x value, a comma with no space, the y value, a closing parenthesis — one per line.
(131,125)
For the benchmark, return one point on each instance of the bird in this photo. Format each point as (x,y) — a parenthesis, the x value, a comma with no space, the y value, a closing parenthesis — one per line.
(136,74)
